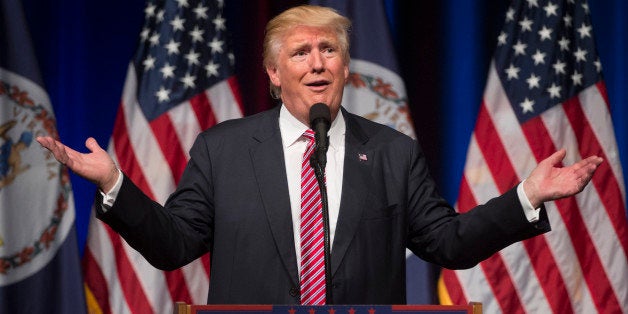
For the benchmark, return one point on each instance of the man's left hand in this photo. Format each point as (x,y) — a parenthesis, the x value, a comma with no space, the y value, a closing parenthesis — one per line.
(548,182)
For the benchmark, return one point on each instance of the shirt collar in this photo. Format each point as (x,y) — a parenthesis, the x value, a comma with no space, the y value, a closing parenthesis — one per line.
(292,129)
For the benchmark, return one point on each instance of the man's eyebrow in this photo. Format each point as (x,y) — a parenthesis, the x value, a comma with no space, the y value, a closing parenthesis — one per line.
(327,42)
(300,45)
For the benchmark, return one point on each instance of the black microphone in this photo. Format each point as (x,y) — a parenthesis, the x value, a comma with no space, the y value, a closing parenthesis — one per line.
(320,118)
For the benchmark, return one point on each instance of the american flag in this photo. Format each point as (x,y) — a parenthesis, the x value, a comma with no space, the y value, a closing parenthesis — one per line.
(545,92)
(178,83)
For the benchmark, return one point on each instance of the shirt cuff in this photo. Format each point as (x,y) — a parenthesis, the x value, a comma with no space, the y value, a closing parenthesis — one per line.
(110,197)
(532,214)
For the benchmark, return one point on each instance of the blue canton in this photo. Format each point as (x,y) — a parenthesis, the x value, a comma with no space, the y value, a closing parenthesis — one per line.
(183,50)
(545,54)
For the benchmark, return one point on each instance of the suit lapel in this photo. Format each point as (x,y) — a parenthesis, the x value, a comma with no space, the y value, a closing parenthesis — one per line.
(270,172)
(356,172)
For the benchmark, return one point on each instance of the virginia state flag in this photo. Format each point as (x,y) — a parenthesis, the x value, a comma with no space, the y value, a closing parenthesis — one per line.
(39,258)
(376,91)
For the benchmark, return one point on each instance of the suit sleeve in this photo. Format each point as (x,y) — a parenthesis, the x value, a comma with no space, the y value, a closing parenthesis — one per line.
(173,235)
(440,235)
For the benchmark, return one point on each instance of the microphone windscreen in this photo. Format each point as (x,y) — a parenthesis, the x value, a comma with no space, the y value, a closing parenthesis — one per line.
(318,111)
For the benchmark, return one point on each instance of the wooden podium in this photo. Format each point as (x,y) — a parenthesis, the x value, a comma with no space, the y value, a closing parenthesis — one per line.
(472,308)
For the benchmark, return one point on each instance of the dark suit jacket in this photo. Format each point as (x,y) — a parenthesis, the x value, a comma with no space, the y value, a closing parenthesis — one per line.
(233,202)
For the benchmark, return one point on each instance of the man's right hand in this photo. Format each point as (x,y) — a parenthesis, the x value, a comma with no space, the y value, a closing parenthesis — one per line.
(96,166)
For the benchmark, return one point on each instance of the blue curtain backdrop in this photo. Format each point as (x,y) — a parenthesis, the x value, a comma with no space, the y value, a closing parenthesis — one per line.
(443,47)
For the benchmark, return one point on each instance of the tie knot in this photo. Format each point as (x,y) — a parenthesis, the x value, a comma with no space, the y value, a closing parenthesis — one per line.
(309,134)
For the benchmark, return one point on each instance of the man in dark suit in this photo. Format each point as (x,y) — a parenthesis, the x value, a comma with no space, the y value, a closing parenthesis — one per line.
(240,195)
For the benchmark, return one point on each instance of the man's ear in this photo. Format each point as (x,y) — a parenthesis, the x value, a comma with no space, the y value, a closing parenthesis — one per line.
(273,74)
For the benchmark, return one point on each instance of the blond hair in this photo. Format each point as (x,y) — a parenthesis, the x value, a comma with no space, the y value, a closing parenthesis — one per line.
(304,15)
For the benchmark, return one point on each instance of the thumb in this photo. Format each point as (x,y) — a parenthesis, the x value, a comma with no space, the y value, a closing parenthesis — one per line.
(556,157)
(92,144)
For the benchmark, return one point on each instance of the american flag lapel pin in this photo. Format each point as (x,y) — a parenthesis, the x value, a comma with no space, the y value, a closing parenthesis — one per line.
(362,157)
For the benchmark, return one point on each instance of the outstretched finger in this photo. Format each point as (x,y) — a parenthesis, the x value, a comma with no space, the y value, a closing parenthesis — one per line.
(59,151)
(46,141)
(57,148)
(587,165)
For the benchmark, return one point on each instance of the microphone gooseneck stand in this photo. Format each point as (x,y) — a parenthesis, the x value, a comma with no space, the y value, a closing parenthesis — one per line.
(319,171)
(320,122)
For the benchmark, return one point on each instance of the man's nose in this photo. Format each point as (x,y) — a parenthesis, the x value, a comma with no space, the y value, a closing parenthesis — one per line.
(317,62)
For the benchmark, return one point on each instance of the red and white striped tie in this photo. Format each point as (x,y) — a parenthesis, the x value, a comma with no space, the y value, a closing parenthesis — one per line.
(312,246)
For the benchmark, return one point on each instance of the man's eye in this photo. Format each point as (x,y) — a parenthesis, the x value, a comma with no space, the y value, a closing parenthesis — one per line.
(299,53)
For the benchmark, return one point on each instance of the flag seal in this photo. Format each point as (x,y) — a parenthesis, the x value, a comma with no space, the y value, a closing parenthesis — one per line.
(31,239)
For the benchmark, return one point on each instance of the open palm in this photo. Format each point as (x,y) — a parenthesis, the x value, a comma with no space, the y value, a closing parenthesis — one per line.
(96,166)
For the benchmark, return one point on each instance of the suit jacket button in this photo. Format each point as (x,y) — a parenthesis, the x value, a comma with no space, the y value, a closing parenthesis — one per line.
(294,292)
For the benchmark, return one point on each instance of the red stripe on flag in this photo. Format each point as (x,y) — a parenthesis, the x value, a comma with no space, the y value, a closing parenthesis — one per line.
(205,259)
(203,111)
(540,255)
(235,90)
(130,284)
(125,154)
(501,284)
(466,200)
(95,280)
(604,180)
(494,153)
(166,136)
(177,286)
(538,138)
(454,288)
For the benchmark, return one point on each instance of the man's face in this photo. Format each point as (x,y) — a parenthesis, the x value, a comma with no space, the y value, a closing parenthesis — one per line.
(309,69)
